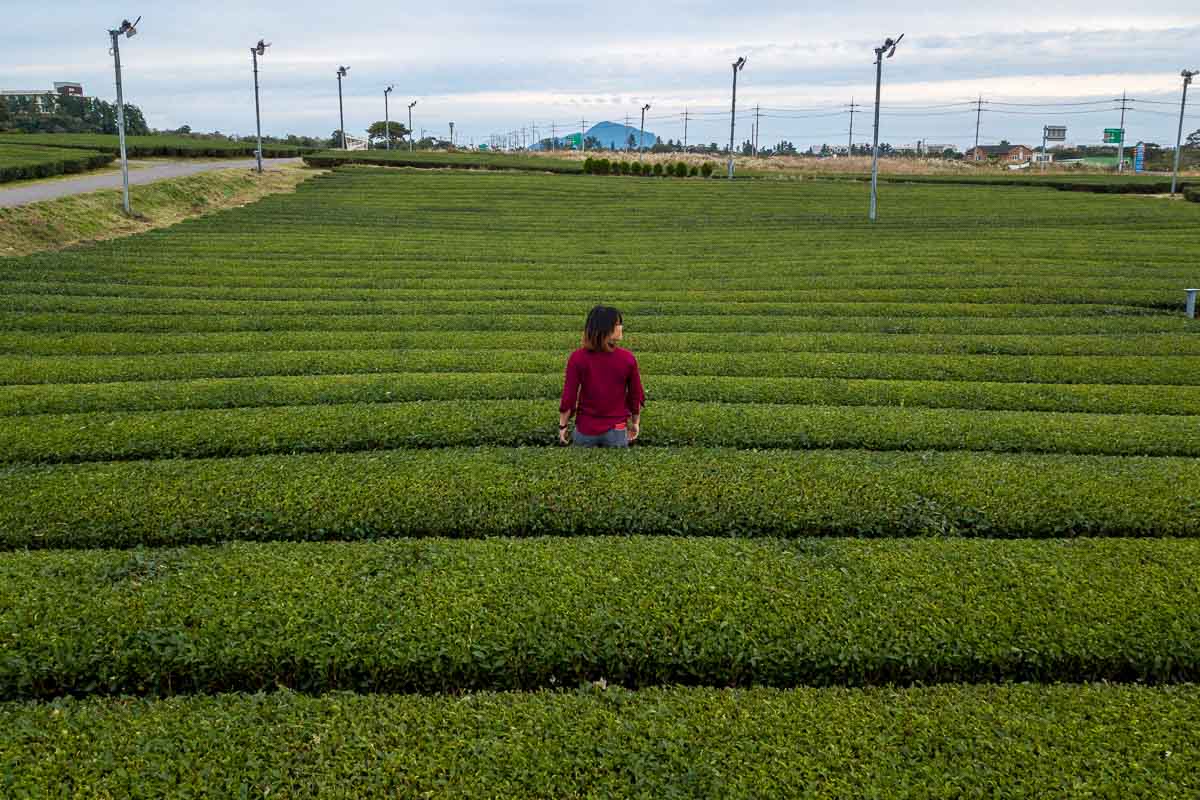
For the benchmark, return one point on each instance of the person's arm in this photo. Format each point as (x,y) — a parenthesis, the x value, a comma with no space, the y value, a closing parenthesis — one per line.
(570,397)
(635,399)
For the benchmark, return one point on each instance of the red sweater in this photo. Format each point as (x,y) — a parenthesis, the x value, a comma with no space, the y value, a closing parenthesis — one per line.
(603,388)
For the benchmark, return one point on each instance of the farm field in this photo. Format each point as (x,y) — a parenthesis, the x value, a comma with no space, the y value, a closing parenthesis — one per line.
(432,159)
(153,145)
(24,162)
(915,510)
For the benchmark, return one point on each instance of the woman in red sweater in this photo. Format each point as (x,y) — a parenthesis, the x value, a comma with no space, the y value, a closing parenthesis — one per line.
(603,389)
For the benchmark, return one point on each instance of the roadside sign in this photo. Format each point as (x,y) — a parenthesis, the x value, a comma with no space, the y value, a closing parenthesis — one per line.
(1139,158)
(1056,133)
(1114,135)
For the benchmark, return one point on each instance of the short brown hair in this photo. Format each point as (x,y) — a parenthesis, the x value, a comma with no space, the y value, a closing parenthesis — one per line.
(601,322)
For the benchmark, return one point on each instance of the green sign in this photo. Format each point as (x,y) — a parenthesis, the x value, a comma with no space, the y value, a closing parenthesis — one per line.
(1114,135)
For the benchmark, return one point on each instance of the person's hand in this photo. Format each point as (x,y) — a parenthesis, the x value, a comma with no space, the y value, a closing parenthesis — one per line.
(635,427)
(564,435)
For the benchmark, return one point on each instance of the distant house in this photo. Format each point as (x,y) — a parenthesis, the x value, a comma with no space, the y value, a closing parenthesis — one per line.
(1010,153)
(42,101)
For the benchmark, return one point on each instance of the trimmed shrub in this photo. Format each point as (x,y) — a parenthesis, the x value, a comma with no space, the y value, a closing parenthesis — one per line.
(625,167)
(694,171)
(681,170)
(658,169)
(535,491)
(638,611)
(706,169)
(610,742)
(603,166)
(589,165)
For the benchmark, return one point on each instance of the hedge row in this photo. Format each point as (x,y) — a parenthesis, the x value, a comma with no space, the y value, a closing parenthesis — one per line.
(658,169)
(566,340)
(25,163)
(528,491)
(1098,184)
(280,390)
(326,159)
(153,145)
(689,323)
(632,307)
(1166,370)
(1008,741)
(24,293)
(458,423)
(432,616)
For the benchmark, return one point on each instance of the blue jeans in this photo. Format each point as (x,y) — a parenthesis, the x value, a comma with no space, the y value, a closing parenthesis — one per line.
(613,438)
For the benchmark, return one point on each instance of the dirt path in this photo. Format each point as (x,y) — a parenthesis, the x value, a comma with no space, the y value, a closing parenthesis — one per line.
(52,190)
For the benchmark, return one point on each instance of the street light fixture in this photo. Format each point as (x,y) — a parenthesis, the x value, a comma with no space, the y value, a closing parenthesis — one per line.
(738,66)
(129,30)
(642,132)
(1187,75)
(889,47)
(410,127)
(387,120)
(259,49)
(341,73)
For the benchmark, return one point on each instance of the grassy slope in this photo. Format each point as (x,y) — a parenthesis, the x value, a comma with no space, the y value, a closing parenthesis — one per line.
(55,224)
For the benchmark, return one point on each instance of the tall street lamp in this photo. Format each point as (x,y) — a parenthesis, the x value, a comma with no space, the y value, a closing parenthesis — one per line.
(642,132)
(387,120)
(410,127)
(129,29)
(1187,74)
(889,47)
(256,51)
(737,67)
(341,73)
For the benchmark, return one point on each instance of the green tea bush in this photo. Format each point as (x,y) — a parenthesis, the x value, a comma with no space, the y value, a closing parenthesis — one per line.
(25,162)
(534,491)
(636,611)
(603,741)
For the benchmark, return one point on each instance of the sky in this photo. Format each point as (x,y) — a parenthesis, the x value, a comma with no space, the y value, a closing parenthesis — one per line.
(498,67)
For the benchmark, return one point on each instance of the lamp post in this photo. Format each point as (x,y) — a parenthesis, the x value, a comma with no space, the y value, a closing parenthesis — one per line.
(1187,75)
(129,29)
(738,66)
(888,47)
(642,131)
(410,127)
(341,73)
(256,51)
(387,120)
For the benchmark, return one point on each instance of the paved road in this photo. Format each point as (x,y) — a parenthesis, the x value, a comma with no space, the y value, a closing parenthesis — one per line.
(51,190)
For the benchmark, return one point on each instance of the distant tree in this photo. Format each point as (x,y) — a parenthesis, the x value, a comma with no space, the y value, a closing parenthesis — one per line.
(335,140)
(1005,143)
(631,142)
(592,143)
(785,148)
(747,148)
(378,132)
(1193,139)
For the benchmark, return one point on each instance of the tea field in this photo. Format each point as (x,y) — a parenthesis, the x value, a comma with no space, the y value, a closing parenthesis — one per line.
(24,162)
(915,511)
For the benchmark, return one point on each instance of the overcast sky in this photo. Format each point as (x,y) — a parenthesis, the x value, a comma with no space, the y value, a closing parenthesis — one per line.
(497,67)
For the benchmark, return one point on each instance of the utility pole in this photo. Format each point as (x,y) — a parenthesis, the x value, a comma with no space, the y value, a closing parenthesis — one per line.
(738,66)
(256,51)
(341,73)
(1187,76)
(129,29)
(410,127)
(978,116)
(642,132)
(553,136)
(850,146)
(387,118)
(582,136)
(685,121)
(757,109)
(451,135)
(888,47)
(1121,143)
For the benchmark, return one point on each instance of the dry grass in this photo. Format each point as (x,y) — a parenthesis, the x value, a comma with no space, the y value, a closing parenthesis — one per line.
(843,165)
(55,224)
